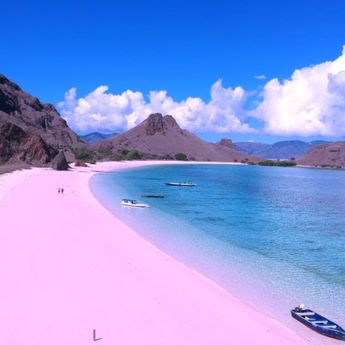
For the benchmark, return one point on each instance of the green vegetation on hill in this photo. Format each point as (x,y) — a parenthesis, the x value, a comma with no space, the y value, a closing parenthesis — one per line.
(181,157)
(133,155)
(104,154)
(271,163)
(85,154)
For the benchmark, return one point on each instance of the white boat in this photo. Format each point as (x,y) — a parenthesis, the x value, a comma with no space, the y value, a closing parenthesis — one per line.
(133,203)
(180,184)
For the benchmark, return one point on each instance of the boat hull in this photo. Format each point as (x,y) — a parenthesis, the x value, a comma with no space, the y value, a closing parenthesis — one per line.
(180,184)
(133,203)
(319,324)
(136,205)
(156,196)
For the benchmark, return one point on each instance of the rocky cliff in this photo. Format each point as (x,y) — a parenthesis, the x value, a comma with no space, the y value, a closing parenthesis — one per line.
(18,146)
(30,131)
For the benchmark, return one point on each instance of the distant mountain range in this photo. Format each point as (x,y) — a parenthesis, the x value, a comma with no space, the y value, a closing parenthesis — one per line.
(161,137)
(95,137)
(280,150)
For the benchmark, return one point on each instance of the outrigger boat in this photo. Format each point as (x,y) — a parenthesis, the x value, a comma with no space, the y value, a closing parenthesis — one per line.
(318,323)
(133,203)
(180,184)
(158,196)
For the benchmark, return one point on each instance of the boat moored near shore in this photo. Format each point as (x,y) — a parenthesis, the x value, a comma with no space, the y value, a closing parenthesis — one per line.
(181,184)
(318,323)
(133,203)
(157,196)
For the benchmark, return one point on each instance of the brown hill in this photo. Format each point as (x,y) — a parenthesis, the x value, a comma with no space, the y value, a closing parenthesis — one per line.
(18,146)
(160,136)
(31,132)
(325,155)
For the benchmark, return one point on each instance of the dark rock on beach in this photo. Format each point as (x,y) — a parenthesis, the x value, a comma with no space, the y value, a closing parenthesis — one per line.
(59,162)
(80,163)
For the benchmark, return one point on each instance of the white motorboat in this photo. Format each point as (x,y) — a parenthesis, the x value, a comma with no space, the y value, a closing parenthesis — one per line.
(180,184)
(133,203)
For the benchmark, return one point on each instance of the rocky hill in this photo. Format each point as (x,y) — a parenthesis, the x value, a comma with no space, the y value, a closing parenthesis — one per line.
(30,131)
(161,137)
(325,155)
(279,150)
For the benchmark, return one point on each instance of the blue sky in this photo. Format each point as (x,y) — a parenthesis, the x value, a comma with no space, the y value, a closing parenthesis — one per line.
(183,47)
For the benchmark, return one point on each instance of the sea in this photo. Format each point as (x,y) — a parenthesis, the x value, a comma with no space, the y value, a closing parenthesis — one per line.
(273,237)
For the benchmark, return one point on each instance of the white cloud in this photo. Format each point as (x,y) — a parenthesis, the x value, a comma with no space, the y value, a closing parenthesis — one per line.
(99,110)
(103,111)
(311,102)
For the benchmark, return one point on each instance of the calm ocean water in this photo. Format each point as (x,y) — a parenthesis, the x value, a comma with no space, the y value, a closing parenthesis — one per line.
(275,237)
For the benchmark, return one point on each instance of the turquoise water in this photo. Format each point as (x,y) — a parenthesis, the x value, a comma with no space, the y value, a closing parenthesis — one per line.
(274,237)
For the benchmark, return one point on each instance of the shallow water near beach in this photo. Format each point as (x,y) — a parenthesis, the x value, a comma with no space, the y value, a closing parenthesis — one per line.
(273,237)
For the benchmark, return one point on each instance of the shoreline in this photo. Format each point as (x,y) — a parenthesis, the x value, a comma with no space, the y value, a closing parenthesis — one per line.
(7,169)
(86,270)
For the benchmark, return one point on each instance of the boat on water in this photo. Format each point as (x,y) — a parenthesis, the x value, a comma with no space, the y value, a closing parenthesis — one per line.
(133,203)
(318,323)
(181,184)
(157,196)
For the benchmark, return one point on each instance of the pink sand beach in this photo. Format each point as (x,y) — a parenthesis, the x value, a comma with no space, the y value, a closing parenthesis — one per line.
(69,267)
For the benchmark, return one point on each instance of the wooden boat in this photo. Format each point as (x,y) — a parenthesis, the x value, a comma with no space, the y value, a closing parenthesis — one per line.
(133,203)
(180,184)
(158,196)
(318,323)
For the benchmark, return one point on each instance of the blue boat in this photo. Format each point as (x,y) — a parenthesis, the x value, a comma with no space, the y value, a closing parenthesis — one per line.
(318,323)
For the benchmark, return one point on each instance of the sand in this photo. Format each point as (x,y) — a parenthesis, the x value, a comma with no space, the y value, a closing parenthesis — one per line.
(69,267)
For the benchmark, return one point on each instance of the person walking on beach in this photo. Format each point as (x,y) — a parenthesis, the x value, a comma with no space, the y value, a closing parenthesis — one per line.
(61,190)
